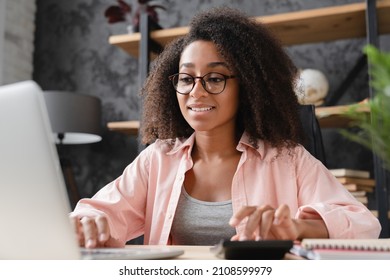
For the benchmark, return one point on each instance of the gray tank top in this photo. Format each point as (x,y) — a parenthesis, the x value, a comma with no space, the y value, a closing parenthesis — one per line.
(199,222)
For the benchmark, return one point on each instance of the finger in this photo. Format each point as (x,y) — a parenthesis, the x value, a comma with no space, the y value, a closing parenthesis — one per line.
(103,230)
(281,214)
(80,232)
(241,214)
(235,237)
(75,221)
(267,219)
(284,226)
(261,210)
(252,225)
(90,232)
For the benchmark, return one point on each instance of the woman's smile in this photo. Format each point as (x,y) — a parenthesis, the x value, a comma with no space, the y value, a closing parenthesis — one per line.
(200,108)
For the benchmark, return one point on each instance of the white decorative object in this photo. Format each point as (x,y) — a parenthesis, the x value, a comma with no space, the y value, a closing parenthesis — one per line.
(312,87)
(130,29)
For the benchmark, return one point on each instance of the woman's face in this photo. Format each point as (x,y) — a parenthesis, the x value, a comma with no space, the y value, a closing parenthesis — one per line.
(204,111)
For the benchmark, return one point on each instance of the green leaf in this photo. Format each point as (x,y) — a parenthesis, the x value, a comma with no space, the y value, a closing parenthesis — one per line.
(375,127)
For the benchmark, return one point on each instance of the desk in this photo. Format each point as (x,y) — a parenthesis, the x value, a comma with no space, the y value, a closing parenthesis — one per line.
(199,252)
(190,252)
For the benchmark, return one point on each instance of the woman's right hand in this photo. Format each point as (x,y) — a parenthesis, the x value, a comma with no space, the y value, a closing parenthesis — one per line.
(94,232)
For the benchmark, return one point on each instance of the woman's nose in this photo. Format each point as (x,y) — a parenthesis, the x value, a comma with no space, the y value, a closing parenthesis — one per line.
(198,89)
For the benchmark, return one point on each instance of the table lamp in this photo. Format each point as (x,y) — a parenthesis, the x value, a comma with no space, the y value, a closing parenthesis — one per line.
(75,119)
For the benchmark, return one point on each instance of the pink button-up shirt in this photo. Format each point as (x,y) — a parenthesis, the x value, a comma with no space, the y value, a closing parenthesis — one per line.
(143,200)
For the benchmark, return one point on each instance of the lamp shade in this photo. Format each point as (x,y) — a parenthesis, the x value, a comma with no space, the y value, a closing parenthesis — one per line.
(74,118)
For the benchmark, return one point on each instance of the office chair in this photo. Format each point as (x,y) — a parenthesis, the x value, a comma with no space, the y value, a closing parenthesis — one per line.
(311,128)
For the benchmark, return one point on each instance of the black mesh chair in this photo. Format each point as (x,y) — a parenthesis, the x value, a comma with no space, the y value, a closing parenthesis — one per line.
(313,141)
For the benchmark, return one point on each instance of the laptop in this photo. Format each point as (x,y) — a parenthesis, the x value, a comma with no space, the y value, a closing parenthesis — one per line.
(34,205)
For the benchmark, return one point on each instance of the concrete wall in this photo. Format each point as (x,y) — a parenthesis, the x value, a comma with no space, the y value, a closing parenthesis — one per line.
(17,29)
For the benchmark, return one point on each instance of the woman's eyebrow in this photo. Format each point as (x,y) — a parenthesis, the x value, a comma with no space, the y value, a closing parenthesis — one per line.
(187,65)
(220,63)
(211,64)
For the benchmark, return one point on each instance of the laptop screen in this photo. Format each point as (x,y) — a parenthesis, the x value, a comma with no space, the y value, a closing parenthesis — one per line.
(33,201)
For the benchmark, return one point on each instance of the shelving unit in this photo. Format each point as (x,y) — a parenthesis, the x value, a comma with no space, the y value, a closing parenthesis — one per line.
(367,19)
(310,26)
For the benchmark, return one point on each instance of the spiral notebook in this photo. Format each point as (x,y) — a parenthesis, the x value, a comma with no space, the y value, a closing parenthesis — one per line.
(343,249)
(348,244)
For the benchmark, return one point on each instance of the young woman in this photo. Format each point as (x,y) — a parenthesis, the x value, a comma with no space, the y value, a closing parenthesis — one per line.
(224,159)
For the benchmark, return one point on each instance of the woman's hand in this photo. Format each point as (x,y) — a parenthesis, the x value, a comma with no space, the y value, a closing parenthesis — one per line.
(265,222)
(93,232)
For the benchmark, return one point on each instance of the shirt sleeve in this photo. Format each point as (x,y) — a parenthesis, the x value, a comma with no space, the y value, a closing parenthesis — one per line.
(122,201)
(321,195)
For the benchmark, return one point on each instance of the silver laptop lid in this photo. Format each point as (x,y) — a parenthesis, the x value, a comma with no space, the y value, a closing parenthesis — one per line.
(33,202)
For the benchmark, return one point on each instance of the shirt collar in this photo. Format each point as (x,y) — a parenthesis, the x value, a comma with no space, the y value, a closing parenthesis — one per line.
(243,144)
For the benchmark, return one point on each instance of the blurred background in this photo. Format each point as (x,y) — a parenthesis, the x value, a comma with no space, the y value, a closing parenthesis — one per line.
(63,46)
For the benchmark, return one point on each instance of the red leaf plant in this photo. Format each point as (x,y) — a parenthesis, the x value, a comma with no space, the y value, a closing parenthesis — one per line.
(121,11)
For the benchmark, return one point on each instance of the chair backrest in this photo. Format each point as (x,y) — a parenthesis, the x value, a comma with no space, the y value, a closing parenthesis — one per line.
(313,142)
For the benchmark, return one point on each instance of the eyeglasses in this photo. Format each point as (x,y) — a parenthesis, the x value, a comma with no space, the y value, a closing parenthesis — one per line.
(213,83)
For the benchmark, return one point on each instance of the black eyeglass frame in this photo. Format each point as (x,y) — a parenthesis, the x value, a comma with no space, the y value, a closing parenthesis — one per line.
(203,82)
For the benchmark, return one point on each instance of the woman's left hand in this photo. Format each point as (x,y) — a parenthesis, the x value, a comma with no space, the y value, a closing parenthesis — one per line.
(265,222)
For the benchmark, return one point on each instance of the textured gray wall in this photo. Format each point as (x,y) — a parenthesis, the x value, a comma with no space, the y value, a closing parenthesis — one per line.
(72,53)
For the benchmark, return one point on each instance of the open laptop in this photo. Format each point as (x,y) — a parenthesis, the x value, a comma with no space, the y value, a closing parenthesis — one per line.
(34,205)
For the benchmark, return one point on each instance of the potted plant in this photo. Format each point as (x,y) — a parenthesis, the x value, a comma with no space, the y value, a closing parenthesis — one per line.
(374,127)
(123,12)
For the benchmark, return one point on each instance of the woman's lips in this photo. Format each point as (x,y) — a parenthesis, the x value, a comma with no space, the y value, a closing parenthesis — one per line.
(200,109)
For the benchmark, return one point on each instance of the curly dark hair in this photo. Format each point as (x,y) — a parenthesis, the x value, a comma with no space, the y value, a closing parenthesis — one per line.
(268,106)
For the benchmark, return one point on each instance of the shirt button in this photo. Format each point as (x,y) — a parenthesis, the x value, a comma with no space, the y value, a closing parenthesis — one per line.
(170,216)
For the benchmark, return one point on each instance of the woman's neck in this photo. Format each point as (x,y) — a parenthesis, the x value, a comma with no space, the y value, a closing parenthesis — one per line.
(209,146)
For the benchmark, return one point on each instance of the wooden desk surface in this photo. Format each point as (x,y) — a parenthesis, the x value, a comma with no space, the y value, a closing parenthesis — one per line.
(196,253)
(190,252)
(200,252)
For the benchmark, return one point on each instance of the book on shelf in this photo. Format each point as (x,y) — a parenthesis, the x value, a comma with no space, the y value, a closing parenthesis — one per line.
(343,249)
(359,193)
(357,188)
(362,199)
(344,172)
(360,196)
(359,181)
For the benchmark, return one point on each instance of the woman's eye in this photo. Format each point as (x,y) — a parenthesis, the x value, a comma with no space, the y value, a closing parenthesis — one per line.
(185,80)
(214,80)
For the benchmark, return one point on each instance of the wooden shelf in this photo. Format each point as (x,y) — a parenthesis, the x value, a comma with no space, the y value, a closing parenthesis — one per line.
(309,26)
(334,116)
(126,127)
